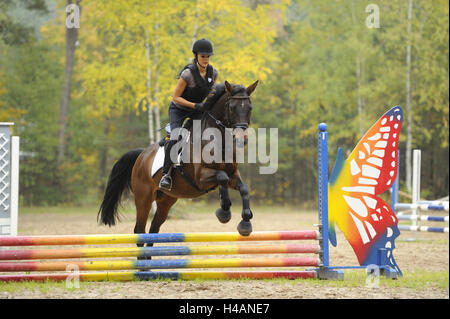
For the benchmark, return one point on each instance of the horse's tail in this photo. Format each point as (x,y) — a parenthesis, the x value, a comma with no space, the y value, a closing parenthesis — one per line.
(119,183)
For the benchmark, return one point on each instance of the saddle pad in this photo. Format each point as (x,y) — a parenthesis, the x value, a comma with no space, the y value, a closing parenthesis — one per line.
(158,162)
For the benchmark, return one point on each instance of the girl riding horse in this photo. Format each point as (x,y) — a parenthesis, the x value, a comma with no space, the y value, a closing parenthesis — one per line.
(193,86)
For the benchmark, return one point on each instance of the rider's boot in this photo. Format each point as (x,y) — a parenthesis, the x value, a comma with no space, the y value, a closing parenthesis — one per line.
(166,179)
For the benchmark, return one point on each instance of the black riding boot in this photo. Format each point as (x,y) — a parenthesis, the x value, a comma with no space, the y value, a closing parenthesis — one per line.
(166,179)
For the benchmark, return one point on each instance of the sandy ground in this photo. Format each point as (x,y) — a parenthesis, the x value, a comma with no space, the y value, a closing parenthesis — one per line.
(430,254)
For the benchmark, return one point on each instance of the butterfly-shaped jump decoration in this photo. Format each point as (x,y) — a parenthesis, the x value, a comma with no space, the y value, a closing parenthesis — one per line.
(366,220)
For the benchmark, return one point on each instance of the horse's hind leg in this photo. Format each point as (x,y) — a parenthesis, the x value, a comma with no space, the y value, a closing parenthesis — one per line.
(143,199)
(163,204)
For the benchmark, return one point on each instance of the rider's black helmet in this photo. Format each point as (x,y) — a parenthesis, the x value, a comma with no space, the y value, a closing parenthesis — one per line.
(202,46)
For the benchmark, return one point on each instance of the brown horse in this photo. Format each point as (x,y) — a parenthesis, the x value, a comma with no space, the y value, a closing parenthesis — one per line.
(132,172)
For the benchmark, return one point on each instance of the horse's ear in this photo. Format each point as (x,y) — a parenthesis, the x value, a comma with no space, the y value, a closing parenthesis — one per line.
(252,87)
(228,87)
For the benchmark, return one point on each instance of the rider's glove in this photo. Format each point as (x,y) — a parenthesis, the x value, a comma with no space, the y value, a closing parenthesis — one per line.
(200,107)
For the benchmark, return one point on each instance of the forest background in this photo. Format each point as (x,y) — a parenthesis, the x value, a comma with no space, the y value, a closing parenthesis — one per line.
(83,94)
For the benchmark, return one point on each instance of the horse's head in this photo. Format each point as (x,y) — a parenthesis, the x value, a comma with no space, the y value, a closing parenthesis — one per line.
(238,108)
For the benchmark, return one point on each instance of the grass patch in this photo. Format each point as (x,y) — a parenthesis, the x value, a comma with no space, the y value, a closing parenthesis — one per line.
(43,287)
(421,279)
(418,279)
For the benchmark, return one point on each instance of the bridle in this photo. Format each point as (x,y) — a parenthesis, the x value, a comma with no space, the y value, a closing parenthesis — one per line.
(226,123)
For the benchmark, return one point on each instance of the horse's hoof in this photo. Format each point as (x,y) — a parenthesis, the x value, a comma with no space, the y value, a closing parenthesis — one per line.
(223,216)
(244,228)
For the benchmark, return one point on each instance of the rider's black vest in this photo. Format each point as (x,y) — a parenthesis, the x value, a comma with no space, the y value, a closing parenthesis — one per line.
(202,86)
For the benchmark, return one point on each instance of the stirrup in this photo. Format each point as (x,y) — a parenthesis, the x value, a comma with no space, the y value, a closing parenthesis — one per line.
(168,179)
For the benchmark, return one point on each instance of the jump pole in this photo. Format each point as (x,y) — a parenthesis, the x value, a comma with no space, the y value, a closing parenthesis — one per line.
(156,238)
(154,275)
(160,264)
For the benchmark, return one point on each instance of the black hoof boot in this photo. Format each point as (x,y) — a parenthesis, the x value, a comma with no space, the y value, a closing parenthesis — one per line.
(166,182)
(223,216)
(244,228)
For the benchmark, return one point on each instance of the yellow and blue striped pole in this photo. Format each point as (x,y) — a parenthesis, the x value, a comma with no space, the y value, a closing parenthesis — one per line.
(174,275)
(160,264)
(154,238)
(157,251)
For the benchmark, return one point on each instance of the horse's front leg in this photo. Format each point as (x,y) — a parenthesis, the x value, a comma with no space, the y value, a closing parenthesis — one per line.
(223,213)
(245,226)
(210,177)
